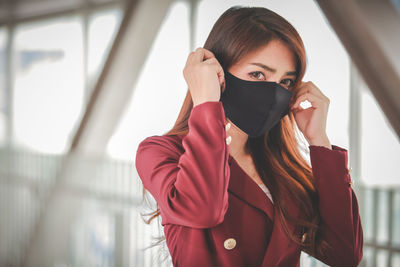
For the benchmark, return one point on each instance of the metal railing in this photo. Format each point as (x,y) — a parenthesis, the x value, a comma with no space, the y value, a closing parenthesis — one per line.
(110,230)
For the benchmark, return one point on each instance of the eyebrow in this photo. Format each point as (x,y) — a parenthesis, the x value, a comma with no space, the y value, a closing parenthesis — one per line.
(273,70)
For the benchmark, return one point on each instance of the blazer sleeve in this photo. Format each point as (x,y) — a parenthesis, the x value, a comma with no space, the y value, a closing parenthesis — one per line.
(191,188)
(341,223)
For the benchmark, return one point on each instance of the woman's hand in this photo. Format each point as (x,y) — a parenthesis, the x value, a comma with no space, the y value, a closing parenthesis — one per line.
(204,76)
(312,121)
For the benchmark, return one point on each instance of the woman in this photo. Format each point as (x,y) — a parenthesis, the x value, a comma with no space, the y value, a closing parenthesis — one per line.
(231,184)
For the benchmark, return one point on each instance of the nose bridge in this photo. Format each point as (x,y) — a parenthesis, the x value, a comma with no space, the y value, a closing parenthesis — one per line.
(274,77)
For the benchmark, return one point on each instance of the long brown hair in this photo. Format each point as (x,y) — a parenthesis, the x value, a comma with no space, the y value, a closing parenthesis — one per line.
(237,32)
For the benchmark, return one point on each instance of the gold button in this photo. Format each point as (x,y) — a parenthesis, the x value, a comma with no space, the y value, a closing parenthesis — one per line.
(351,182)
(228,140)
(227,126)
(230,243)
(303,238)
(349,169)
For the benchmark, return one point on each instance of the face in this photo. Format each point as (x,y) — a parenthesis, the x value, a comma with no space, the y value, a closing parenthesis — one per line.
(273,62)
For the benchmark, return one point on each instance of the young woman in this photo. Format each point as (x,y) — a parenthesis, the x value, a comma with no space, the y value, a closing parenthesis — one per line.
(230,182)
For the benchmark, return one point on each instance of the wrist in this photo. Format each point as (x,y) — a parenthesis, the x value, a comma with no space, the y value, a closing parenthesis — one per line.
(321,141)
(204,100)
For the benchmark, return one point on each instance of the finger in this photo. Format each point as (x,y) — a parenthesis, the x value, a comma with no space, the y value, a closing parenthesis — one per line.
(297,91)
(316,90)
(217,67)
(189,60)
(202,54)
(313,99)
(208,54)
(304,87)
(311,87)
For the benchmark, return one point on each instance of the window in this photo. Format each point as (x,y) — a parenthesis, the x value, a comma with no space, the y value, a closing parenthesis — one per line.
(380,148)
(3,92)
(48,86)
(49,94)
(103,26)
(160,89)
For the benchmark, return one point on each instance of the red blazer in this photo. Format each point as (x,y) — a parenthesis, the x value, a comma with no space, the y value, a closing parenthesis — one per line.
(215,215)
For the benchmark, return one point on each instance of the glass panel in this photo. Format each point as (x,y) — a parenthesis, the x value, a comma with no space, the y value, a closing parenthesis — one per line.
(368,221)
(103,27)
(382,257)
(160,88)
(3,95)
(380,146)
(367,256)
(396,259)
(396,4)
(396,218)
(383,215)
(48,92)
(93,238)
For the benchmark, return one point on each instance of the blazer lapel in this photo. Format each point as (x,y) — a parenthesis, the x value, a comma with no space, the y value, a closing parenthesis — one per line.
(279,241)
(241,185)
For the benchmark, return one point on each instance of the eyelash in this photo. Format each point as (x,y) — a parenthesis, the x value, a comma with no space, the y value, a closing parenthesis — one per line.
(258,72)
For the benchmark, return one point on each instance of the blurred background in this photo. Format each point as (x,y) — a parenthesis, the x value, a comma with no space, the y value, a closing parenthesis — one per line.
(82,82)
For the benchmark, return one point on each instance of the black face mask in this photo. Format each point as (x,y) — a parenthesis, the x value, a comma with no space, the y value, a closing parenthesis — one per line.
(254,106)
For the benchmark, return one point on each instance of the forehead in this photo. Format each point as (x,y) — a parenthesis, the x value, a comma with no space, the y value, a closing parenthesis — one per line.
(275,54)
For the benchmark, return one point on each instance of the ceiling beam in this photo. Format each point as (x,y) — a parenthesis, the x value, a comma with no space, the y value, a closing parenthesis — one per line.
(370,32)
(110,96)
(16,12)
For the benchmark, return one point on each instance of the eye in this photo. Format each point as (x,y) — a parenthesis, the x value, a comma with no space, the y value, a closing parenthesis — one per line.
(256,74)
(288,84)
